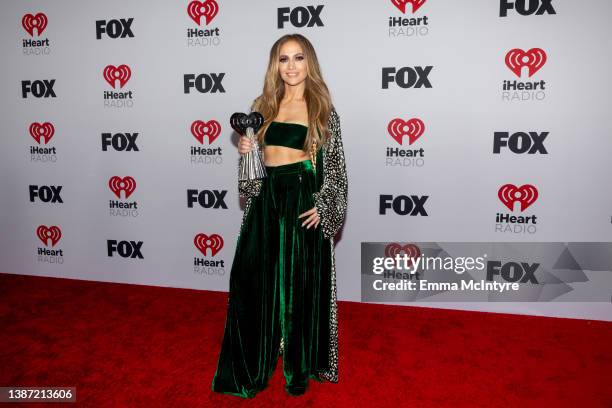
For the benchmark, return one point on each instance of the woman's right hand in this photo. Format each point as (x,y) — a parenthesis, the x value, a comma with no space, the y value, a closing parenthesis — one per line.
(244,145)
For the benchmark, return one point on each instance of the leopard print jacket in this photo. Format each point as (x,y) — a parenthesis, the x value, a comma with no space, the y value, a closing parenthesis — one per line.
(331,199)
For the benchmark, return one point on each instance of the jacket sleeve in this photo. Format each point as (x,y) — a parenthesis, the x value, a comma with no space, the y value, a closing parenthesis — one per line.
(249,188)
(331,200)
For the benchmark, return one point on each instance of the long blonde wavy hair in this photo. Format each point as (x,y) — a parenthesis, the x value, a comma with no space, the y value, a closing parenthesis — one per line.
(316,93)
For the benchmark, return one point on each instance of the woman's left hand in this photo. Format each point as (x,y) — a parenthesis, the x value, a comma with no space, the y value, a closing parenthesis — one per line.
(313,218)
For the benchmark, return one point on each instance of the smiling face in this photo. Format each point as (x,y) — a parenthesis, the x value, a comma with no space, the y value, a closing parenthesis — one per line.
(292,63)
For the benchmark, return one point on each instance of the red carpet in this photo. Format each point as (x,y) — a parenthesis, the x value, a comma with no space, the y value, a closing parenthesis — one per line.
(142,346)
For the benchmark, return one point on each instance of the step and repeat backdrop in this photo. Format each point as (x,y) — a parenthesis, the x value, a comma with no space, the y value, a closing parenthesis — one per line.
(473,121)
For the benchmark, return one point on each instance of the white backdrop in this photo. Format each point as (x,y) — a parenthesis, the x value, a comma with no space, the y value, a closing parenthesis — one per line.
(464,43)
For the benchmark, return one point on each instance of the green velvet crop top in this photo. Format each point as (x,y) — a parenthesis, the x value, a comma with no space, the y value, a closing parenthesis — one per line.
(286,134)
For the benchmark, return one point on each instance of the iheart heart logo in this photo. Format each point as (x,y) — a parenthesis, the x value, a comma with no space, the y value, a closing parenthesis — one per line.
(45,234)
(401,4)
(42,130)
(199,129)
(208,9)
(534,59)
(203,242)
(525,194)
(38,21)
(413,128)
(112,73)
(411,250)
(126,184)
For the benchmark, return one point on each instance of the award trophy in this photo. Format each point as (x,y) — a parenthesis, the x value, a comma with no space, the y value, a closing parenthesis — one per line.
(251,163)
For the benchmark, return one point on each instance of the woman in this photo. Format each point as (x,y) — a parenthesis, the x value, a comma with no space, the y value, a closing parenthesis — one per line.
(282,297)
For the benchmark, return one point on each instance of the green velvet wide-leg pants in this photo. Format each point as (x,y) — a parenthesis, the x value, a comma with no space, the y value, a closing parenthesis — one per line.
(279,288)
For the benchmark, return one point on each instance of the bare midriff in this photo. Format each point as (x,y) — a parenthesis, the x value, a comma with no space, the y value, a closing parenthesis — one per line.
(281,155)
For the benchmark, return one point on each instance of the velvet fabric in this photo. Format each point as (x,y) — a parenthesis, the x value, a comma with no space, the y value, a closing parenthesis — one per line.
(280,287)
(285,134)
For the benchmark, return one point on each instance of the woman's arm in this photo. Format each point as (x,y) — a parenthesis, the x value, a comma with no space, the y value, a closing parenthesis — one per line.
(249,188)
(331,200)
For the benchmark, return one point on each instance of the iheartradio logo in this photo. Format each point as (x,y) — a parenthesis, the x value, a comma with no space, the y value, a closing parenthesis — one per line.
(38,21)
(213,242)
(412,128)
(200,129)
(534,59)
(43,131)
(411,250)
(45,234)
(525,194)
(197,9)
(112,73)
(126,184)
(401,4)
